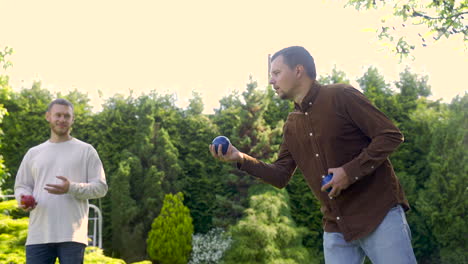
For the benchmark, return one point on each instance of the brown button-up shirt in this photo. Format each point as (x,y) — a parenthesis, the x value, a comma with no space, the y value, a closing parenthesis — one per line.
(336,126)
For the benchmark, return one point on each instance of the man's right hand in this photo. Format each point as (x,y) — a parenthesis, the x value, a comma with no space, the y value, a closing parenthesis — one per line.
(26,203)
(232,154)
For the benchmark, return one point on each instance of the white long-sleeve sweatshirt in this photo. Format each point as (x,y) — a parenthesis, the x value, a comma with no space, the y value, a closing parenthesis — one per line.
(60,218)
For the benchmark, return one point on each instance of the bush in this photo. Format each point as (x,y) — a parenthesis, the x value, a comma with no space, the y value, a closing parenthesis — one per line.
(267,234)
(13,233)
(94,255)
(170,238)
(209,248)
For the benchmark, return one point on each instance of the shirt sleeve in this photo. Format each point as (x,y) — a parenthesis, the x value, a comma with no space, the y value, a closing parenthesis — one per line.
(96,185)
(384,135)
(277,174)
(24,182)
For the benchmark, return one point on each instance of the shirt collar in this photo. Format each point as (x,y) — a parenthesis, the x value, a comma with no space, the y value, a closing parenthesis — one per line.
(310,97)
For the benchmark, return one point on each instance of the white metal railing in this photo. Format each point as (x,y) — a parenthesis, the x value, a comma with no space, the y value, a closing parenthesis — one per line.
(97,226)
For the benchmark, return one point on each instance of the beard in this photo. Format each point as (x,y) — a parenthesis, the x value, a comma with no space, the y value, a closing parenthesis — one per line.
(59,131)
(283,96)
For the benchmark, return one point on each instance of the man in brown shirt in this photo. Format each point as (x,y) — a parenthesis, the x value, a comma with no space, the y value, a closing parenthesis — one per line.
(335,129)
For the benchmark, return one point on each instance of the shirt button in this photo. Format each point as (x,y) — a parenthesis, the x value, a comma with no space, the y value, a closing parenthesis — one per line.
(310,134)
(306,113)
(372,167)
(331,198)
(338,218)
(310,103)
(316,155)
(356,178)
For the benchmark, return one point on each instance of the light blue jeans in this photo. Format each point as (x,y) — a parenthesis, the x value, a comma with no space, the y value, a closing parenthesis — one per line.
(389,243)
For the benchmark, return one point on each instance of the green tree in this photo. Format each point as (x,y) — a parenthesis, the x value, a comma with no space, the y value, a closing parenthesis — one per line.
(137,133)
(126,225)
(267,233)
(5,92)
(412,168)
(414,115)
(203,180)
(195,104)
(441,18)
(242,120)
(112,132)
(411,87)
(170,238)
(278,109)
(377,90)
(25,126)
(336,76)
(444,201)
(410,160)
(305,210)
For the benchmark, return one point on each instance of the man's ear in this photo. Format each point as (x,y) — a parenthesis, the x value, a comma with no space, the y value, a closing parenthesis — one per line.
(47,116)
(299,70)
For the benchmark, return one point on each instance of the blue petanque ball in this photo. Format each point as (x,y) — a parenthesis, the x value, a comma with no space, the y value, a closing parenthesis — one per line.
(224,141)
(326,180)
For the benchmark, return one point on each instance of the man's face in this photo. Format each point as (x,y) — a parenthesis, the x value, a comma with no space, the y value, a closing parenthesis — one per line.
(60,118)
(283,79)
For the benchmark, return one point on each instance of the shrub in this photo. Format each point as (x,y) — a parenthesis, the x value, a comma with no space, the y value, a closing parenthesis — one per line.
(267,233)
(13,233)
(209,248)
(170,238)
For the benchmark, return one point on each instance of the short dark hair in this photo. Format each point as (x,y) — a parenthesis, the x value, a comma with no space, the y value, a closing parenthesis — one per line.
(60,101)
(297,55)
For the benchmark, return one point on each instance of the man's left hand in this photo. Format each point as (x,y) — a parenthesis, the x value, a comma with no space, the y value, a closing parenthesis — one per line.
(339,182)
(58,188)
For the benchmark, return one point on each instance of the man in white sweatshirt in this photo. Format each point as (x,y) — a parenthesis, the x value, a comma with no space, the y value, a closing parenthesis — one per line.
(61,174)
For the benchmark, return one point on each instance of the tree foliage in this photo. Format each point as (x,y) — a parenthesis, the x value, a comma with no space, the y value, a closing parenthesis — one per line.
(25,126)
(305,210)
(5,92)
(440,18)
(267,234)
(444,200)
(150,148)
(170,238)
(336,76)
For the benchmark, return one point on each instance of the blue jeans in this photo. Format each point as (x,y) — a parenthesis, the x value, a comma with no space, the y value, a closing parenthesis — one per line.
(67,252)
(389,243)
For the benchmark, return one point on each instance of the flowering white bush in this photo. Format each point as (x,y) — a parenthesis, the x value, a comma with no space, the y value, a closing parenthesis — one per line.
(209,248)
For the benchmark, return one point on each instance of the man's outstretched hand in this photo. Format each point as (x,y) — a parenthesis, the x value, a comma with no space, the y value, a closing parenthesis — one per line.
(60,188)
(232,154)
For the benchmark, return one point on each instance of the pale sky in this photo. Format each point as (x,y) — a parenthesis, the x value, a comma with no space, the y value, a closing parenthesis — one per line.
(210,46)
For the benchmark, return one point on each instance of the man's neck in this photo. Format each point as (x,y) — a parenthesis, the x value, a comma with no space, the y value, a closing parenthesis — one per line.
(303,89)
(54,138)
